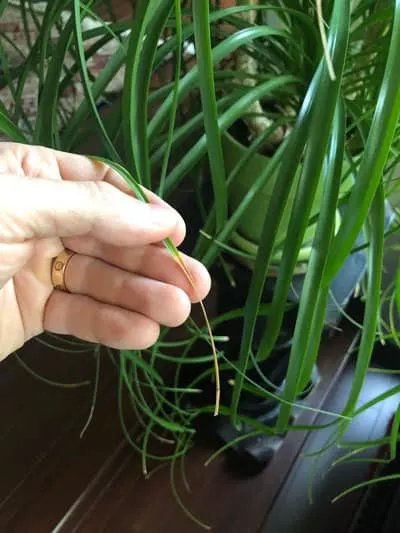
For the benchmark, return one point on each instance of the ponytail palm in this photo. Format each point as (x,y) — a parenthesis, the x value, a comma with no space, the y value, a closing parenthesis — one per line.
(341,133)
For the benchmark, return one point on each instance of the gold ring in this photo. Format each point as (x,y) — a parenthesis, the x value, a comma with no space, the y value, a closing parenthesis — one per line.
(58,269)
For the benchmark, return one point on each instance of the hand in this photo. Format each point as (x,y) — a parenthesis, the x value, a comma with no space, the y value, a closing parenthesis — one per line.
(122,283)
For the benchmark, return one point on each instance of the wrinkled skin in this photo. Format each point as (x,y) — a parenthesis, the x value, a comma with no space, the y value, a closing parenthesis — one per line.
(122,282)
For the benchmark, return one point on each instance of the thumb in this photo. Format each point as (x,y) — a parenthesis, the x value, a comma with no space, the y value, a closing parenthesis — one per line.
(39,208)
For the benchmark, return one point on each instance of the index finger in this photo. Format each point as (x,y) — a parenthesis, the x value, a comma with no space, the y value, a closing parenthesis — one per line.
(81,168)
(54,164)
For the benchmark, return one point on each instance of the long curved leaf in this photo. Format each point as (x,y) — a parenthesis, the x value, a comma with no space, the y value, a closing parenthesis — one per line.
(375,154)
(201,16)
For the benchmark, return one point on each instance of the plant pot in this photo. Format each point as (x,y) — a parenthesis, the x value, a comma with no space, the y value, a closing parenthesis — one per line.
(249,230)
(251,223)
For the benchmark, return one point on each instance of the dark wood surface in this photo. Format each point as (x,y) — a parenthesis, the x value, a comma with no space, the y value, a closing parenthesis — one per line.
(44,463)
(327,482)
(53,480)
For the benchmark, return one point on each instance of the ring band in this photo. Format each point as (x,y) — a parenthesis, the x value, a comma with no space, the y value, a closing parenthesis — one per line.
(58,269)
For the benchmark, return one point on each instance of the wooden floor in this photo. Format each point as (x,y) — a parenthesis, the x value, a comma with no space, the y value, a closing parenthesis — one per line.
(53,480)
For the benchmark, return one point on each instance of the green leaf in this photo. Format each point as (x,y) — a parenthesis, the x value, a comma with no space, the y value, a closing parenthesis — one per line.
(201,15)
(77,120)
(46,132)
(364,484)
(111,150)
(137,82)
(143,364)
(314,297)
(312,110)
(172,121)
(131,103)
(189,81)
(226,119)
(375,155)
(398,290)
(375,231)
(8,127)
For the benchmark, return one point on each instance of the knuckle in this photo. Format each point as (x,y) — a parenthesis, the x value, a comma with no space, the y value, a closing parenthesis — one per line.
(98,190)
(127,291)
(109,326)
(114,327)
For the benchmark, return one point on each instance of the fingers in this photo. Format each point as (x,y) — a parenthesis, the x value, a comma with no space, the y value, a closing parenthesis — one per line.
(74,167)
(47,164)
(38,161)
(83,317)
(161,302)
(151,261)
(43,208)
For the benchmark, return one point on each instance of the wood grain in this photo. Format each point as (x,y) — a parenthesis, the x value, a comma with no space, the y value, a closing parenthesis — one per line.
(54,481)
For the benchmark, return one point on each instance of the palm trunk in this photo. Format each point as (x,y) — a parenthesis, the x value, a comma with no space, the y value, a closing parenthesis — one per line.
(258,122)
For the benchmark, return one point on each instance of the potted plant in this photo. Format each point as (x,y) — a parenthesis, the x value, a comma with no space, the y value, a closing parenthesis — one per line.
(248,147)
(326,86)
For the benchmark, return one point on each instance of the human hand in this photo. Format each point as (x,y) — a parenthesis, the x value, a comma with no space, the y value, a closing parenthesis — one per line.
(121,283)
